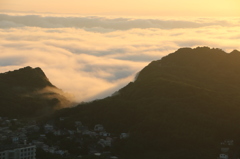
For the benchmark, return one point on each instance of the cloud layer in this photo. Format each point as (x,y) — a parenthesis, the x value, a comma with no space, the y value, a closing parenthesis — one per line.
(91,57)
(110,24)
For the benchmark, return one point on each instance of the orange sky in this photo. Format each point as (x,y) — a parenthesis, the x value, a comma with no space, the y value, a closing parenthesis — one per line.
(126,7)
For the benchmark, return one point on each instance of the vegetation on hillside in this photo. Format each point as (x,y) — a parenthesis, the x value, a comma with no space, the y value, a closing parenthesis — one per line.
(28,93)
(181,106)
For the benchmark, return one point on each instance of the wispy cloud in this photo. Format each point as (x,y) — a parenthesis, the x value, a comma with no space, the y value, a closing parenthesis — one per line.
(103,24)
(91,57)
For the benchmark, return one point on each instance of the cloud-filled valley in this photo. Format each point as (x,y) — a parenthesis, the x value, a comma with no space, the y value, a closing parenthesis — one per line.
(91,57)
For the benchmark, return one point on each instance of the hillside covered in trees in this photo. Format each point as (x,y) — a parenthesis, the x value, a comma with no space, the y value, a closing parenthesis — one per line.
(181,106)
(27,92)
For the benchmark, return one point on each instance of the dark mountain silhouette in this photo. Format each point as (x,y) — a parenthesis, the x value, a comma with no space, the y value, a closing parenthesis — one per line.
(27,92)
(181,106)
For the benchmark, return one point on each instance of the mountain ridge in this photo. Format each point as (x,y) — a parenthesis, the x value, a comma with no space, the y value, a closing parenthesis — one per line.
(26,77)
(27,92)
(181,106)
(170,66)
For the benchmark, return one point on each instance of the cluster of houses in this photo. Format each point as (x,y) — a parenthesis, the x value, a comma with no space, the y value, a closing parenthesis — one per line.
(227,150)
(22,134)
(105,138)
(19,135)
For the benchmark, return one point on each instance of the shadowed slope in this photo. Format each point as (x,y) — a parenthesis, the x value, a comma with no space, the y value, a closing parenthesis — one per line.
(27,92)
(181,106)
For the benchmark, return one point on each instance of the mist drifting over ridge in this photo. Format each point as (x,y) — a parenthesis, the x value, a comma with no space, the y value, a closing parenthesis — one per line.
(98,55)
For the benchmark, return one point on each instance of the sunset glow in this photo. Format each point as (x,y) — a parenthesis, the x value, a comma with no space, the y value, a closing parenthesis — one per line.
(100,46)
(124,7)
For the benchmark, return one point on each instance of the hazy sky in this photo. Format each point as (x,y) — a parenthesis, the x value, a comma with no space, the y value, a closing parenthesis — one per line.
(94,56)
(128,7)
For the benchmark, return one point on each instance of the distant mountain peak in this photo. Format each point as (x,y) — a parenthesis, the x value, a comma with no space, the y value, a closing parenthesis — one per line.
(29,90)
(194,57)
(29,70)
(26,77)
(235,52)
(199,50)
(181,106)
(192,67)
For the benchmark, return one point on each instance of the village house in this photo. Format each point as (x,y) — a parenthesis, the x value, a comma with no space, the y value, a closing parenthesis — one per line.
(15,139)
(7,122)
(61,118)
(93,151)
(22,137)
(106,142)
(227,142)
(32,122)
(15,120)
(2,129)
(5,131)
(52,149)
(78,123)
(104,134)
(81,129)
(60,132)
(45,147)
(223,156)
(71,132)
(32,128)
(48,128)
(22,130)
(90,133)
(225,149)
(98,128)
(39,144)
(124,135)
(3,137)
(60,152)
(42,137)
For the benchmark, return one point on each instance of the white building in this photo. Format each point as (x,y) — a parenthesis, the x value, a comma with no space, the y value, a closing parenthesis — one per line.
(15,139)
(223,156)
(225,149)
(107,142)
(48,128)
(124,135)
(18,152)
(104,134)
(90,133)
(78,123)
(228,142)
(98,127)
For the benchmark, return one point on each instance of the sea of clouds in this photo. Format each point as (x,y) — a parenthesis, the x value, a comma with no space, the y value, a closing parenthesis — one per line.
(92,57)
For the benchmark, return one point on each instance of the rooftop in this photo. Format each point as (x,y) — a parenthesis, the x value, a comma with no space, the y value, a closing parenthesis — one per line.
(13,146)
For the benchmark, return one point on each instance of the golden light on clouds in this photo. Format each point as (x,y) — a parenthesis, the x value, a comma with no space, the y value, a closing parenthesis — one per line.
(126,7)
(100,54)
(92,57)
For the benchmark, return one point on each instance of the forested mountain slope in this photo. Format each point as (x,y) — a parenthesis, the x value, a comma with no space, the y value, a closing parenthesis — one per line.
(27,92)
